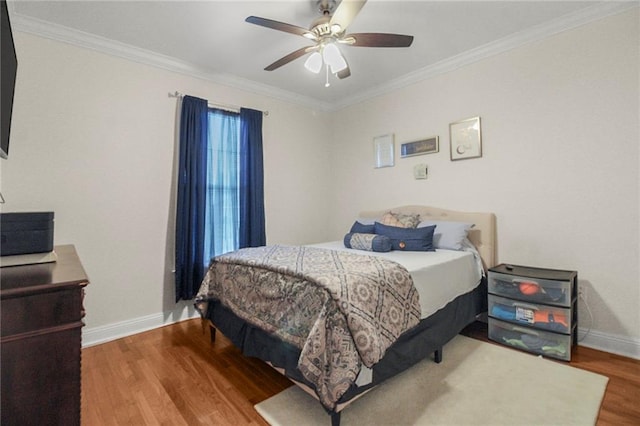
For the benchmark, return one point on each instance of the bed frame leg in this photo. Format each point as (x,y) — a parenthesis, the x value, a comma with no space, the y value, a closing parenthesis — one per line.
(437,356)
(335,419)
(212,330)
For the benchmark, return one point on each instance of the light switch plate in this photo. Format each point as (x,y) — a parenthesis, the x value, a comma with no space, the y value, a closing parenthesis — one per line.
(420,171)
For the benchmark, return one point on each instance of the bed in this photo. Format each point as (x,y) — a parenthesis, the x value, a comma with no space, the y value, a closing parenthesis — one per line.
(319,329)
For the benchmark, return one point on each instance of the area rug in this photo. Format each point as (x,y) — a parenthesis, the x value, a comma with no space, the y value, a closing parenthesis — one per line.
(477,383)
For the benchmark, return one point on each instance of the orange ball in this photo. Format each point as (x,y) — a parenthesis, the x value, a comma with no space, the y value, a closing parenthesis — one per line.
(529,288)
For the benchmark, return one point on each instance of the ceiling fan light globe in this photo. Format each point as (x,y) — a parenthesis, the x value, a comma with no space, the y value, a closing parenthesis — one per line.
(314,62)
(336,68)
(332,57)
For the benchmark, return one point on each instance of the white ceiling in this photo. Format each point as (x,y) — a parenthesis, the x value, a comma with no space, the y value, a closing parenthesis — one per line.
(211,39)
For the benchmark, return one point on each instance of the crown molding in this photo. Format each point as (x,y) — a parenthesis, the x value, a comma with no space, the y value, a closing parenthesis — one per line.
(147,57)
(539,32)
(125,51)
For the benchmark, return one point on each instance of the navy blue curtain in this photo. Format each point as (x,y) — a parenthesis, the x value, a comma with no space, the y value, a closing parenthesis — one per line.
(252,220)
(190,213)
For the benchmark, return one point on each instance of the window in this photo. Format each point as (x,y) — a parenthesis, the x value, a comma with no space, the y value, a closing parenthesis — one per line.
(222,208)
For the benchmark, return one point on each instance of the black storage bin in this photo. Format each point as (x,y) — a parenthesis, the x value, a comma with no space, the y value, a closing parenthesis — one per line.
(26,233)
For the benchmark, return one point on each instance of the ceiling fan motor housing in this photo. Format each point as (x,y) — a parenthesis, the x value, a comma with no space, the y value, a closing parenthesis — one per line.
(321,27)
(326,7)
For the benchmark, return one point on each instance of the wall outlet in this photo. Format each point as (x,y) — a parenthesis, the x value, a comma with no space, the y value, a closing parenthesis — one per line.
(582,292)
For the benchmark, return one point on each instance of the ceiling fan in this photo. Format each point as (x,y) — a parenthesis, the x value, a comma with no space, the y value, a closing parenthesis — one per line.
(328,32)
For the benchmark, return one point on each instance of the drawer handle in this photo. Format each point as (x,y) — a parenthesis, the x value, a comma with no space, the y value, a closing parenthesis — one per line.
(526,331)
(525,306)
(521,281)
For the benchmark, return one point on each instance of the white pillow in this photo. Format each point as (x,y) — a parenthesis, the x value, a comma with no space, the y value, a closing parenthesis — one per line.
(448,235)
(366,221)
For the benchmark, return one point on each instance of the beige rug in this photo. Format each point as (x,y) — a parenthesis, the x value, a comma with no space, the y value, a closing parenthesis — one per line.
(477,383)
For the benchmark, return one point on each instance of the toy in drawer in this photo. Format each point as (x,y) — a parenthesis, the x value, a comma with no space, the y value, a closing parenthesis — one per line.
(536,341)
(545,317)
(531,289)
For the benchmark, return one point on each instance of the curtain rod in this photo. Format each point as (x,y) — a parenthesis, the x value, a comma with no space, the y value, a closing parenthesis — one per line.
(232,108)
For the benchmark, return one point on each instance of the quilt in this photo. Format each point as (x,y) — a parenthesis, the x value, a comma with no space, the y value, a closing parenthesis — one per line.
(341,309)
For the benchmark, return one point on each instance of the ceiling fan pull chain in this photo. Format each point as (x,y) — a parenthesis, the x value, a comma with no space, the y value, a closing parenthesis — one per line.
(326,84)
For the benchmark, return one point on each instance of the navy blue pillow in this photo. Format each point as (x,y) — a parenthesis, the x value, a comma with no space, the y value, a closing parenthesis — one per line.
(361,228)
(408,239)
(369,242)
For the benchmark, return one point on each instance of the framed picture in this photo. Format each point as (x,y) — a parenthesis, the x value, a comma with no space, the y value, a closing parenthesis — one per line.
(383,149)
(425,146)
(465,139)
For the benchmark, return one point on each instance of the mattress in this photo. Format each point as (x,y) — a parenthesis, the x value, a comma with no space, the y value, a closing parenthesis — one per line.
(439,276)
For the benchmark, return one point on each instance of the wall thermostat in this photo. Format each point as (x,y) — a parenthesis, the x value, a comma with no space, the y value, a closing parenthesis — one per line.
(420,171)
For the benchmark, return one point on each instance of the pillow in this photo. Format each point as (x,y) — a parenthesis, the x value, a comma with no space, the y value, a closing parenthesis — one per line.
(368,242)
(400,220)
(361,228)
(448,235)
(408,239)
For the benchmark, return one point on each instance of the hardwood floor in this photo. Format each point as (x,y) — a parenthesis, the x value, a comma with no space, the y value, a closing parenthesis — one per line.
(175,376)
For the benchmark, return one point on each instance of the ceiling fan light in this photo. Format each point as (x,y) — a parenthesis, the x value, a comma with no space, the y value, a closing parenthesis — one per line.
(339,67)
(332,57)
(314,62)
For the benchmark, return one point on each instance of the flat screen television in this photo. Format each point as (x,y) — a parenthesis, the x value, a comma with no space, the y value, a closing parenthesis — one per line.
(9,68)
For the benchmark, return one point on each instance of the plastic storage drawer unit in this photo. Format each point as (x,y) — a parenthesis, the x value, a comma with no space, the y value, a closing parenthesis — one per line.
(534,309)
(535,290)
(551,318)
(536,341)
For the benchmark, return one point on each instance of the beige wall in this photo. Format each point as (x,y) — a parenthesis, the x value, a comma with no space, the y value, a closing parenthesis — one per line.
(93,140)
(559,167)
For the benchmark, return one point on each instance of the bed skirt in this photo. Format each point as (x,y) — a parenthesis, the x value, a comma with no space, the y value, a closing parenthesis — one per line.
(430,335)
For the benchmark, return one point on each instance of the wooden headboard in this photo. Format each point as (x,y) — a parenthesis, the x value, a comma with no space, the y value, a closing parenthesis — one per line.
(482,235)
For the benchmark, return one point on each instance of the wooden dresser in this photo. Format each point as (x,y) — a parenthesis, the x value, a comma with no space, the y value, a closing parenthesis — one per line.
(41,332)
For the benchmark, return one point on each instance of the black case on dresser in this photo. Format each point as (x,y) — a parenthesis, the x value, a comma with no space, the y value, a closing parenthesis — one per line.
(534,309)
(41,332)
(25,233)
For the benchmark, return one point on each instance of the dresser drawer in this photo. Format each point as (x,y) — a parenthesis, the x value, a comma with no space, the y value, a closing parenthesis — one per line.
(41,378)
(544,317)
(536,341)
(40,311)
(527,289)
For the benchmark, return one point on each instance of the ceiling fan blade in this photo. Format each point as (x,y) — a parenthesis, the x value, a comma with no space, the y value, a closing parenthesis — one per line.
(344,73)
(378,40)
(281,26)
(290,57)
(346,11)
